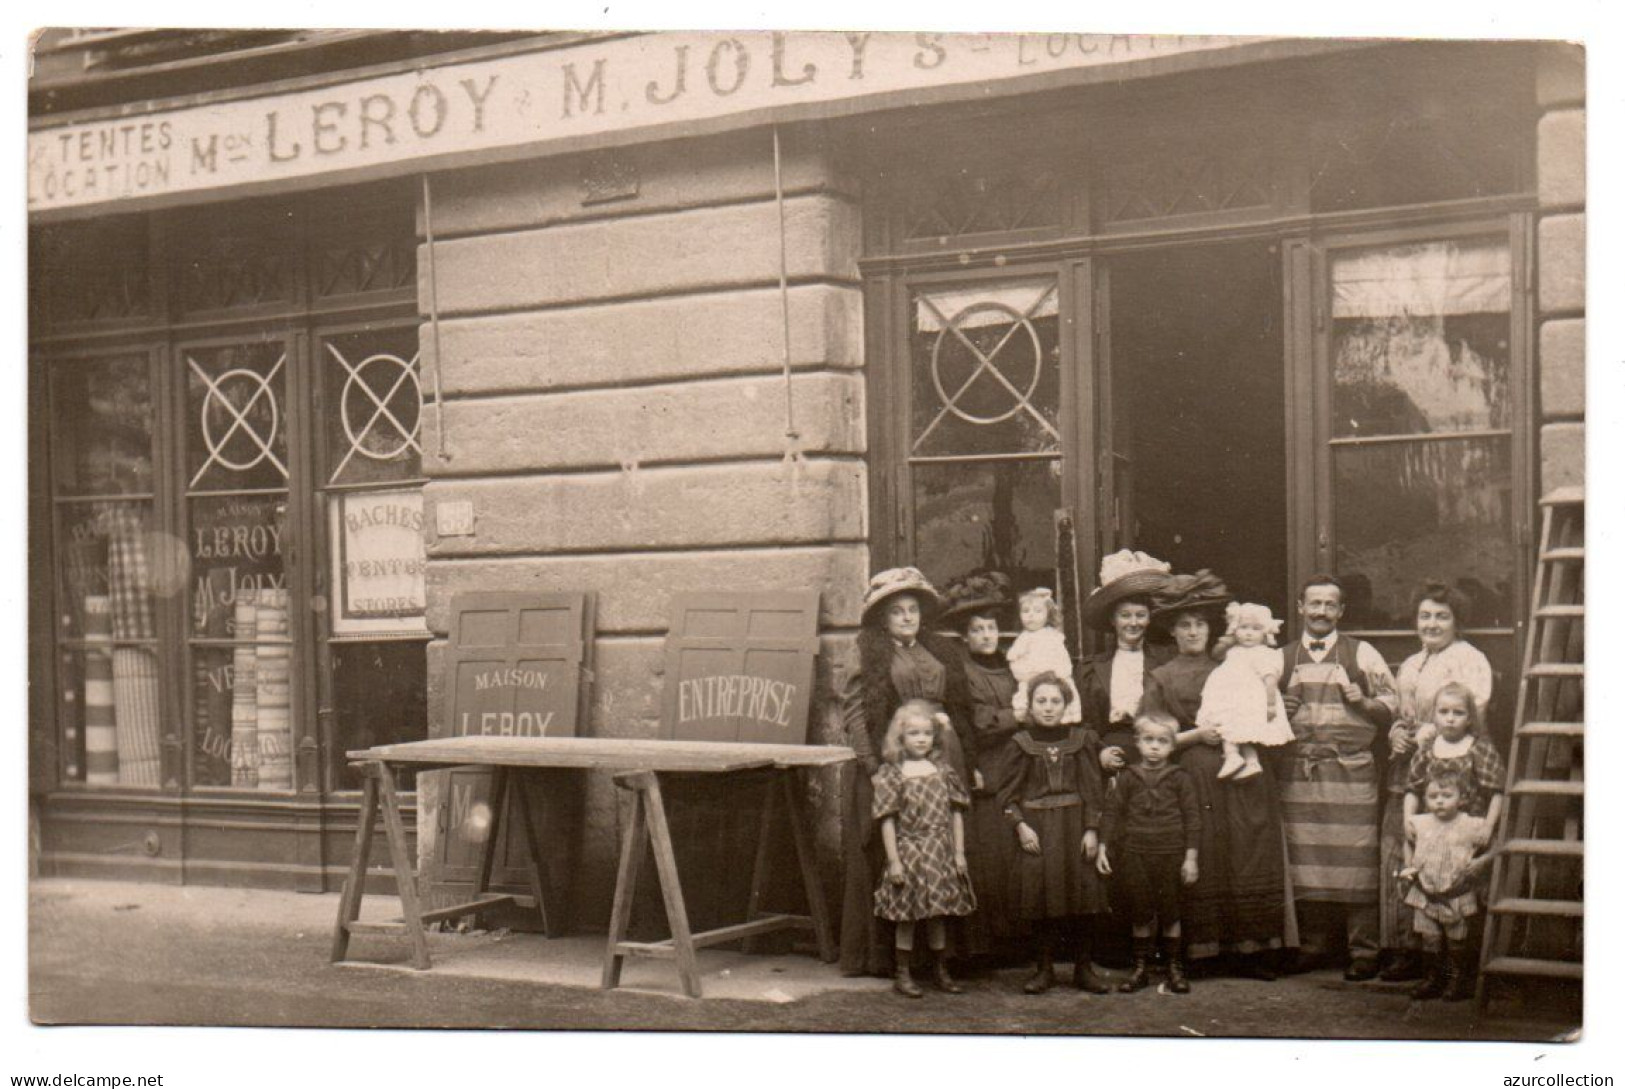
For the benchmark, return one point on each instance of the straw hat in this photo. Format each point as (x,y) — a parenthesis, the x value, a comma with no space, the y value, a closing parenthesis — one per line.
(1201,592)
(1123,574)
(977,592)
(897,580)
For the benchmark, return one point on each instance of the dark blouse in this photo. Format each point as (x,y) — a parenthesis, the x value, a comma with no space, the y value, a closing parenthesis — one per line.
(1046,765)
(992,687)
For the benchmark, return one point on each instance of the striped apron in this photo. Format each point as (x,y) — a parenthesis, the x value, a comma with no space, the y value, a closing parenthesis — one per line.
(1330,794)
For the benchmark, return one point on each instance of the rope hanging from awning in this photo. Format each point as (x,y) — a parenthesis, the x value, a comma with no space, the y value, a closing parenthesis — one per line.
(442,450)
(792,437)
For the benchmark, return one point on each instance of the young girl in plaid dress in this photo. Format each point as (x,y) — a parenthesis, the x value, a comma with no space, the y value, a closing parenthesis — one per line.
(920,803)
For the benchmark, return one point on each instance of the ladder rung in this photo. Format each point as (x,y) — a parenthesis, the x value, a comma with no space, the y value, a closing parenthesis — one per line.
(1555,848)
(1529,966)
(1564,555)
(1560,612)
(1552,729)
(1557,669)
(1567,788)
(1517,905)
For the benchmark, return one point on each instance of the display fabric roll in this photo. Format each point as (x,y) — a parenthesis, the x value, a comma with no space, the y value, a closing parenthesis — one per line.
(271,691)
(101,734)
(135,669)
(135,714)
(245,741)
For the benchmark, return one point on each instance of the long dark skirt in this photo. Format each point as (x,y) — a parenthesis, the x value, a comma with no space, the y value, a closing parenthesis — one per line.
(1059,881)
(1238,903)
(990,852)
(867,943)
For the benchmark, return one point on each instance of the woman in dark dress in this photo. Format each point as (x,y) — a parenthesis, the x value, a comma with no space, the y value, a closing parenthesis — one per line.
(899,659)
(975,608)
(1238,904)
(1111,686)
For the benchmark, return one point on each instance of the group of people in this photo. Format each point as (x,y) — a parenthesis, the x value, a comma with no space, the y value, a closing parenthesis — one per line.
(1192,789)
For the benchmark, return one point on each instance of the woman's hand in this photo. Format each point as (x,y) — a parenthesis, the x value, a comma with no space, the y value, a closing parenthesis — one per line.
(1400,740)
(976,780)
(1187,871)
(1205,735)
(1103,867)
(1290,703)
(1027,837)
(894,872)
(1482,837)
(1091,843)
(1111,758)
(961,867)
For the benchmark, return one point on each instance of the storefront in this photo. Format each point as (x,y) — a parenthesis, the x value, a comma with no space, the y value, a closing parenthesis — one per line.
(365,340)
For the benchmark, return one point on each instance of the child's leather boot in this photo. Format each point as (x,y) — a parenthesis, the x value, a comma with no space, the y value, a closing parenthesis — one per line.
(945,982)
(1432,985)
(1084,978)
(1043,977)
(1140,975)
(1458,984)
(903,981)
(1177,982)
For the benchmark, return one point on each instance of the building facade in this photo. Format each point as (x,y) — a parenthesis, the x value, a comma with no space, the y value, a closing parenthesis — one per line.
(328,330)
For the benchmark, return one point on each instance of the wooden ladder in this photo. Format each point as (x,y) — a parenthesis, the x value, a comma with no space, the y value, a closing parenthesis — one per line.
(1536,899)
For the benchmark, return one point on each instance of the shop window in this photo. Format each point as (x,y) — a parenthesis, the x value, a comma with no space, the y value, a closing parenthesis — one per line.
(978,201)
(372,470)
(1421,396)
(288,505)
(1196,177)
(108,561)
(985,439)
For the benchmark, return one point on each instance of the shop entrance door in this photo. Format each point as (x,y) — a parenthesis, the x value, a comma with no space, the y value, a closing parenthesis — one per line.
(1191,412)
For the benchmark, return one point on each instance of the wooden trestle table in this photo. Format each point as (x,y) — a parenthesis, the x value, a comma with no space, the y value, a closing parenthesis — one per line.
(637,766)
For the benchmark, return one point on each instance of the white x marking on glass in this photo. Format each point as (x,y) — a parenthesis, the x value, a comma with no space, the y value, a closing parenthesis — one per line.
(239,418)
(381,407)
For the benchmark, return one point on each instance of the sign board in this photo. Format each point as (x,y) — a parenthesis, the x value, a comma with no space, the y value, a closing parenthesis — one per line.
(516,666)
(378,562)
(549,100)
(739,667)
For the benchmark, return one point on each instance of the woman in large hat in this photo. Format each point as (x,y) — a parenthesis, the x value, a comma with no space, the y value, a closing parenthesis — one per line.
(1110,686)
(1238,904)
(977,607)
(1113,681)
(899,659)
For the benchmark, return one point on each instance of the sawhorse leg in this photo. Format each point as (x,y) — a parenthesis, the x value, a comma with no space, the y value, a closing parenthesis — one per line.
(405,871)
(649,827)
(355,882)
(809,868)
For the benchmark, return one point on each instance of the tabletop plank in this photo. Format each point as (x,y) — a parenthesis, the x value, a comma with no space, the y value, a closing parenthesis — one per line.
(606,754)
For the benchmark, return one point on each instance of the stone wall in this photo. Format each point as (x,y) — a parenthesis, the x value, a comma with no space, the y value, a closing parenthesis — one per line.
(1560,263)
(615,409)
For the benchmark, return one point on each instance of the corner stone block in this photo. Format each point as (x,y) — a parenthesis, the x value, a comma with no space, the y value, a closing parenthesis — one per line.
(729,332)
(749,503)
(1563,368)
(609,428)
(1562,455)
(1560,74)
(1560,166)
(704,249)
(1562,269)
(635,596)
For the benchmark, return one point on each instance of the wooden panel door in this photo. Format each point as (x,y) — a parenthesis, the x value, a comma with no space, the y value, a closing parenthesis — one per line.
(516,667)
(739,667)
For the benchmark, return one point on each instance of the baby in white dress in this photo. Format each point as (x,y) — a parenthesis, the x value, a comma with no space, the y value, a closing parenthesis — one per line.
(1241,698)
(1041,648)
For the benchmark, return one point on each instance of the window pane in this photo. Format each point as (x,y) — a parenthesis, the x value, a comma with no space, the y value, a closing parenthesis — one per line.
(103,410)
(1408,512)
(110,717)
(986,369)
(236,413)
(374,407)
(1420,338)
(109,555)
(242,706)
(379,698)
(237,545)
(997,515)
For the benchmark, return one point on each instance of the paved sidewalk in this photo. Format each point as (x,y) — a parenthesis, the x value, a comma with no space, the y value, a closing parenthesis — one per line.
(116,953)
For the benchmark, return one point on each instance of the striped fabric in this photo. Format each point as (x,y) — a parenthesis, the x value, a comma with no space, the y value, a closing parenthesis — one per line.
(1330,793)
(129,575)
(271,711)
(101,735)
(245,740)
(136,715)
